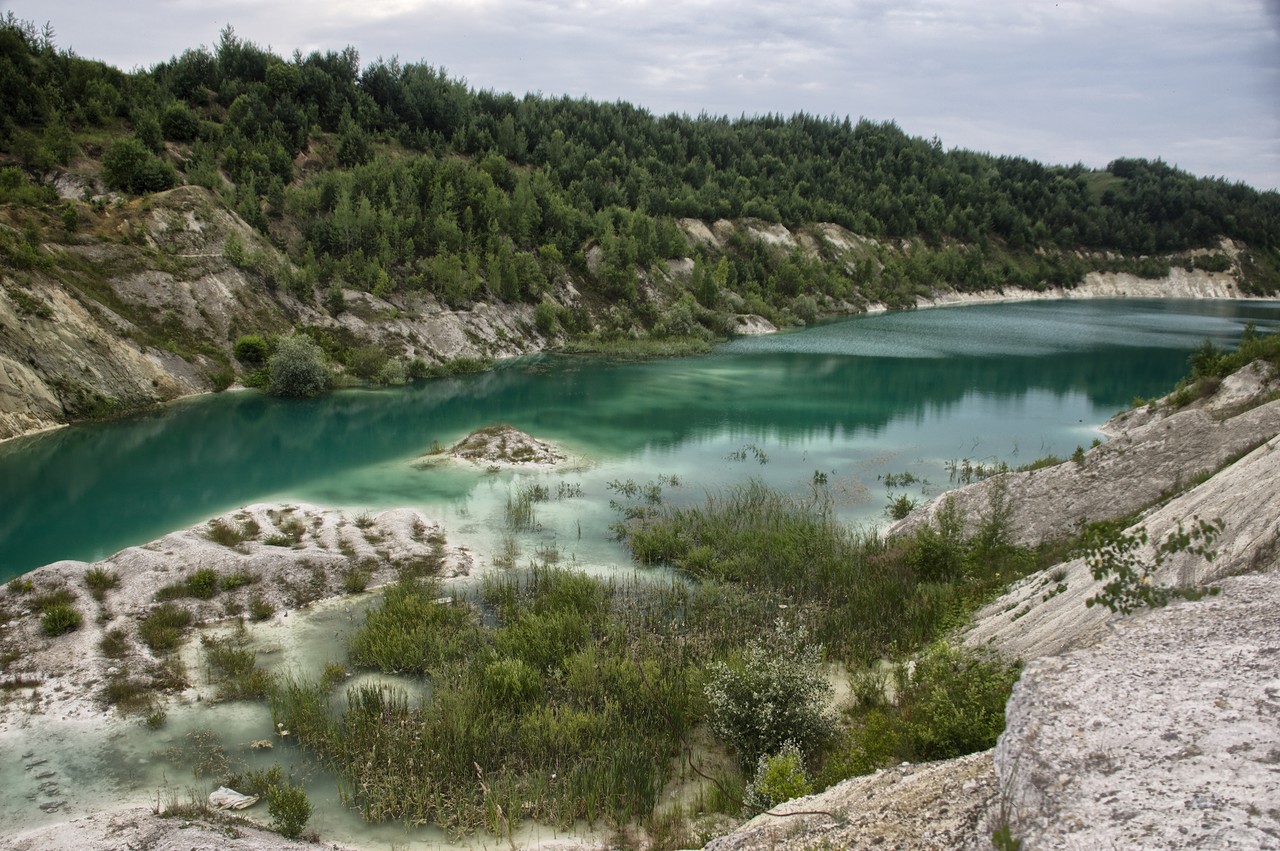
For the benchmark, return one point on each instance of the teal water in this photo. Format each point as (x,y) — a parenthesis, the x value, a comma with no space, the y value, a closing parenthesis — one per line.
(854,399)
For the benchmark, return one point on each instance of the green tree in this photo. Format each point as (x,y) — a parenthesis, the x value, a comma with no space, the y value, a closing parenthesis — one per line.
(128,165)
(298,368)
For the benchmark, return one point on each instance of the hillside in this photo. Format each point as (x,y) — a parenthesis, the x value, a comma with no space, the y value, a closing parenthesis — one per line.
(413,226)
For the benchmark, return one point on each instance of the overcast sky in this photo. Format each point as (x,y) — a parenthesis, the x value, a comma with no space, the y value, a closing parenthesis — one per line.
(1194,82)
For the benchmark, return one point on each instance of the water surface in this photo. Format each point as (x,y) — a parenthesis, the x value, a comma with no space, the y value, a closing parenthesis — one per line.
(853,399)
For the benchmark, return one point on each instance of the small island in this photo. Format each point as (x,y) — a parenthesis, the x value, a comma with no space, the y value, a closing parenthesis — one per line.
(498,446)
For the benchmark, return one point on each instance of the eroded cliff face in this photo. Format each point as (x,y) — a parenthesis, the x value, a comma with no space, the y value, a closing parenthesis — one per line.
(145,304)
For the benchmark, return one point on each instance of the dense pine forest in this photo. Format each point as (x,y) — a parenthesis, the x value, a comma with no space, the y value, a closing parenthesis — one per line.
(394,177)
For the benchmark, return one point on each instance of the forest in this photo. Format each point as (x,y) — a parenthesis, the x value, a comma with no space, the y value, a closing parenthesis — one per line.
(395,177)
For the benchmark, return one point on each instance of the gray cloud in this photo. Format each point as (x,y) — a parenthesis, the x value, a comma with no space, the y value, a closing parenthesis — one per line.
(1089,80)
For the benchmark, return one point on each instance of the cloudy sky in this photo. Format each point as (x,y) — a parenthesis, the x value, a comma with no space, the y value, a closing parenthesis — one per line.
(1193,82)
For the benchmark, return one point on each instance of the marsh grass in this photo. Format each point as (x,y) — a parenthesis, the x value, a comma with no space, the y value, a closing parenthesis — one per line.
(233,668)
(165,626)
(231,534)
(866,598)
(555,697)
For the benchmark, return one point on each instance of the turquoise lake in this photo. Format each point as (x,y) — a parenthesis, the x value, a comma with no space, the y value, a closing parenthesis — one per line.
(854,399)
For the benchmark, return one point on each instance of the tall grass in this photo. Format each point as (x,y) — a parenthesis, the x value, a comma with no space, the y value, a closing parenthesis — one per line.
(554,697)
(867,597)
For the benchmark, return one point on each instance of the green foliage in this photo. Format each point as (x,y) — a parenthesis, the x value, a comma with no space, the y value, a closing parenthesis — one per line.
(900,506)
(1118,559)
(234,669)
(179,123)
(953,702)
(100,581)
(779,777)
(163,628)
(948,702)
(130,166)
(298,368)
(584,725)
(251,350)
(772,694)
(260,609)
(287,802)
(59,619)
(415,630)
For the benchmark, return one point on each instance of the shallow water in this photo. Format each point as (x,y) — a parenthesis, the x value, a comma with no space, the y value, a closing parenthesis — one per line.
(854,400)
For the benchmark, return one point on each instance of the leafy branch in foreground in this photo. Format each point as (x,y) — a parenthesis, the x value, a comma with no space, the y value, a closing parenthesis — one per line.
(1115,557)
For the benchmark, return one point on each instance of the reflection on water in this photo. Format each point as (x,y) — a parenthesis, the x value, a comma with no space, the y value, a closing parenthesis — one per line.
(1005,381)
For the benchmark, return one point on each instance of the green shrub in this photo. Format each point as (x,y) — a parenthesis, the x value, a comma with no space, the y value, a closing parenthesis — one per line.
(114,644)
(203,583)
(60,618)
(872,741)
(260,609)
(779,777)
(298,369)
(179,123)
(251,350)
(130,166)
(287,803)
(1113,556)
(231,534)
(163,628)
(773,693)
(290,809)
(953,703)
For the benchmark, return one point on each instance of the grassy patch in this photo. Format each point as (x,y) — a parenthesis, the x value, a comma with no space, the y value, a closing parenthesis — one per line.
(165,626)
(231,534)
(201,584)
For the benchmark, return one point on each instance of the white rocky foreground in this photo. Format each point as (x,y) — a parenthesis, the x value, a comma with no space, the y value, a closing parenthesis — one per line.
(1160,729)
(290,556)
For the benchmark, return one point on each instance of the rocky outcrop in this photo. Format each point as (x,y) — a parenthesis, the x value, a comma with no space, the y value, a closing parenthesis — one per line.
(1164,735)
(1159,729)
(284,556)
(1155,451)
(146,307)
(139,827)
(935,806)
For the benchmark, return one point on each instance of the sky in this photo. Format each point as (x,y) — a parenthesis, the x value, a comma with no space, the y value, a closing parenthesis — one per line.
(1194,83)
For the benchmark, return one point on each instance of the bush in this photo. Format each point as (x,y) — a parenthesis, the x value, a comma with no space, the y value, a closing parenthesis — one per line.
(179,123)
(298,369)
(60,618)
(100,581)
(289,808)
(779,778)
(774,693)
(128,165)
(251,350)
(953,703)
(286,802)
